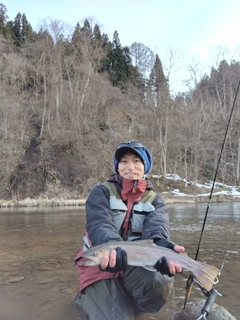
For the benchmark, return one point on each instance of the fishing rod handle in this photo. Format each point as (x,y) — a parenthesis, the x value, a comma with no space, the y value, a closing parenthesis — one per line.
(202,317)
(210,301)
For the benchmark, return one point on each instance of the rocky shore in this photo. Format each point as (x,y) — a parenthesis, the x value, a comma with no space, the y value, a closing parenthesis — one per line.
(59,202)
(25,203)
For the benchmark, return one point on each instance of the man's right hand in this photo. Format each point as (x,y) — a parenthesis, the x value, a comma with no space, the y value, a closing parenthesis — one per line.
(116,262)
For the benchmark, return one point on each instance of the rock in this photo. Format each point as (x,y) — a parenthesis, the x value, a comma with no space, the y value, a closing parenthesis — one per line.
(192,313)
(13,279)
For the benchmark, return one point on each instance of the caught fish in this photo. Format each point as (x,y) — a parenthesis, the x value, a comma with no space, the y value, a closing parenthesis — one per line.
(145,253)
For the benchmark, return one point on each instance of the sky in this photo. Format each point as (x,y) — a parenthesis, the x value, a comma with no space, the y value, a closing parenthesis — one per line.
(195,33)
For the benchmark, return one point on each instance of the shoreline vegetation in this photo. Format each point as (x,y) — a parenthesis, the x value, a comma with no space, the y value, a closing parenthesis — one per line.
(173,192)
(58,202)
(68,96)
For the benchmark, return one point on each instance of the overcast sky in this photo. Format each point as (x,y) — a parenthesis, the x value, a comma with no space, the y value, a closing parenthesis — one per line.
(195,29)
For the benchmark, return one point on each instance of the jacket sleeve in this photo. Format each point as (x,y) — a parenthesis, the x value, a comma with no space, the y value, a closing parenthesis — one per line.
(100,227)
(156,223)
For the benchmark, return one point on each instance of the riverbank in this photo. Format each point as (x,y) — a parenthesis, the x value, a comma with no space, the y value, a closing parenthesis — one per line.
(28,202)
(168,197)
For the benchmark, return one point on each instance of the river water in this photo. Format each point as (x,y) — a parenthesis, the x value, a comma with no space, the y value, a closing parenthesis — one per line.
(37,248)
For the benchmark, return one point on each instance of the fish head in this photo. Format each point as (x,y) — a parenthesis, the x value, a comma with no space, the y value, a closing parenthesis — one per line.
(94,256)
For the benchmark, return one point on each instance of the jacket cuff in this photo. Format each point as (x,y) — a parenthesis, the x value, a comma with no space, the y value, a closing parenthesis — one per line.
(165,243)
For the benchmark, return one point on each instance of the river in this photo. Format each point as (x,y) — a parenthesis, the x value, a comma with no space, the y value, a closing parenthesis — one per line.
(37,248)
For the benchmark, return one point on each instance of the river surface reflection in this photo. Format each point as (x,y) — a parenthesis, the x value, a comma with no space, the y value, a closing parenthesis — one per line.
(37,248)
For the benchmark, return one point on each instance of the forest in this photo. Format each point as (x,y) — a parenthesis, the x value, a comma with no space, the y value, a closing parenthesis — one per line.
(67,100)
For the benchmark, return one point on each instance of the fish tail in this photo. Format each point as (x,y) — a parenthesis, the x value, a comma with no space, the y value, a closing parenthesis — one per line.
(208,276)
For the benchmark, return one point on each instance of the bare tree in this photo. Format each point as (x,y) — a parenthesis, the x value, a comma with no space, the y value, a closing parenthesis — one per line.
(142,57)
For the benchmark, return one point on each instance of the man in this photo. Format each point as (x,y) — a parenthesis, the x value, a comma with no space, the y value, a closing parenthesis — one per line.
(125,208)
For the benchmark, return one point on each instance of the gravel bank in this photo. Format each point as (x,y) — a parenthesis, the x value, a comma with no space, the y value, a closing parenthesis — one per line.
(55,202)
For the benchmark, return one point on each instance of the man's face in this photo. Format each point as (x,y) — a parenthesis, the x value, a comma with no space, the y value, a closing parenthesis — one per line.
(131,167)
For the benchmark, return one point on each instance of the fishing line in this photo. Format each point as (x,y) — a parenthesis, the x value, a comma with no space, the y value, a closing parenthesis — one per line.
(190,278)
(216,171)
(229,243)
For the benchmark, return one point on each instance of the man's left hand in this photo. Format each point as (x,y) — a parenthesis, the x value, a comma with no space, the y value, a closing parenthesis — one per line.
(165,267)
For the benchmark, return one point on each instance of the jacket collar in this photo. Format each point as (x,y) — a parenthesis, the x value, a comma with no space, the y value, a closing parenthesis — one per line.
(119,180)
(133,189)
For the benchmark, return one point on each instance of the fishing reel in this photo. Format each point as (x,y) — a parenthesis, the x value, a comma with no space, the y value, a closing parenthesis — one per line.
(211,296)
(204,291)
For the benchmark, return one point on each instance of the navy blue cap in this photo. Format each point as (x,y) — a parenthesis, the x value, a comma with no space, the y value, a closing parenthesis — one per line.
(138,149)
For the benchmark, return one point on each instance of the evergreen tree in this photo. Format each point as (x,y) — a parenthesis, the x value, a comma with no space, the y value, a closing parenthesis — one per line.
(76,37)
(138,81)
(106,43)
(120,63)
(158,81)
(44,34)
(97,33)
(86,29)
(161,106)
(16,30)
(107,47)
(26,31)
(75,46)
(116,41)
(21,30)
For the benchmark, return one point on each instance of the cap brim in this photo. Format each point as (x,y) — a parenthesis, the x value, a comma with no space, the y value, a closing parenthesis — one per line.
(122,151)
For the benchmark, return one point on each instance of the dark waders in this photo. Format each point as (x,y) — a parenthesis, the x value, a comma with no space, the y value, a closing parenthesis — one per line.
(138,291)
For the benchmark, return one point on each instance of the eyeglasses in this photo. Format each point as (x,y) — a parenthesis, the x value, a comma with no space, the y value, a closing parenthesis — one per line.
(133,144)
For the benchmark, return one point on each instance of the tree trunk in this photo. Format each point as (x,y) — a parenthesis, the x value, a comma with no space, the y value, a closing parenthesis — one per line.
(238,161)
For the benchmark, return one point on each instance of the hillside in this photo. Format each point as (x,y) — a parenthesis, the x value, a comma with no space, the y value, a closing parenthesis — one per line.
(67,102)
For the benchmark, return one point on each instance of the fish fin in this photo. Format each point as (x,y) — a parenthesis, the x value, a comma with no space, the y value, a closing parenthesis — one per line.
(208,276)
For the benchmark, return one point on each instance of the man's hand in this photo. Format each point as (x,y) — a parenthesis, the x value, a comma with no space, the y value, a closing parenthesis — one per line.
(116,262)
(172,267)
(176,268)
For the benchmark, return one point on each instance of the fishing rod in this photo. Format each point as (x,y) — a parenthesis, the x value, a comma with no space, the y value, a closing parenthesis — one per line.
(208,304)
(190,278)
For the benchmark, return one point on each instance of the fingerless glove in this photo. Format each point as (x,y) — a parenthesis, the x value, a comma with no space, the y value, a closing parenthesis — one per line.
(121,262)
(165,243)
(162,266)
